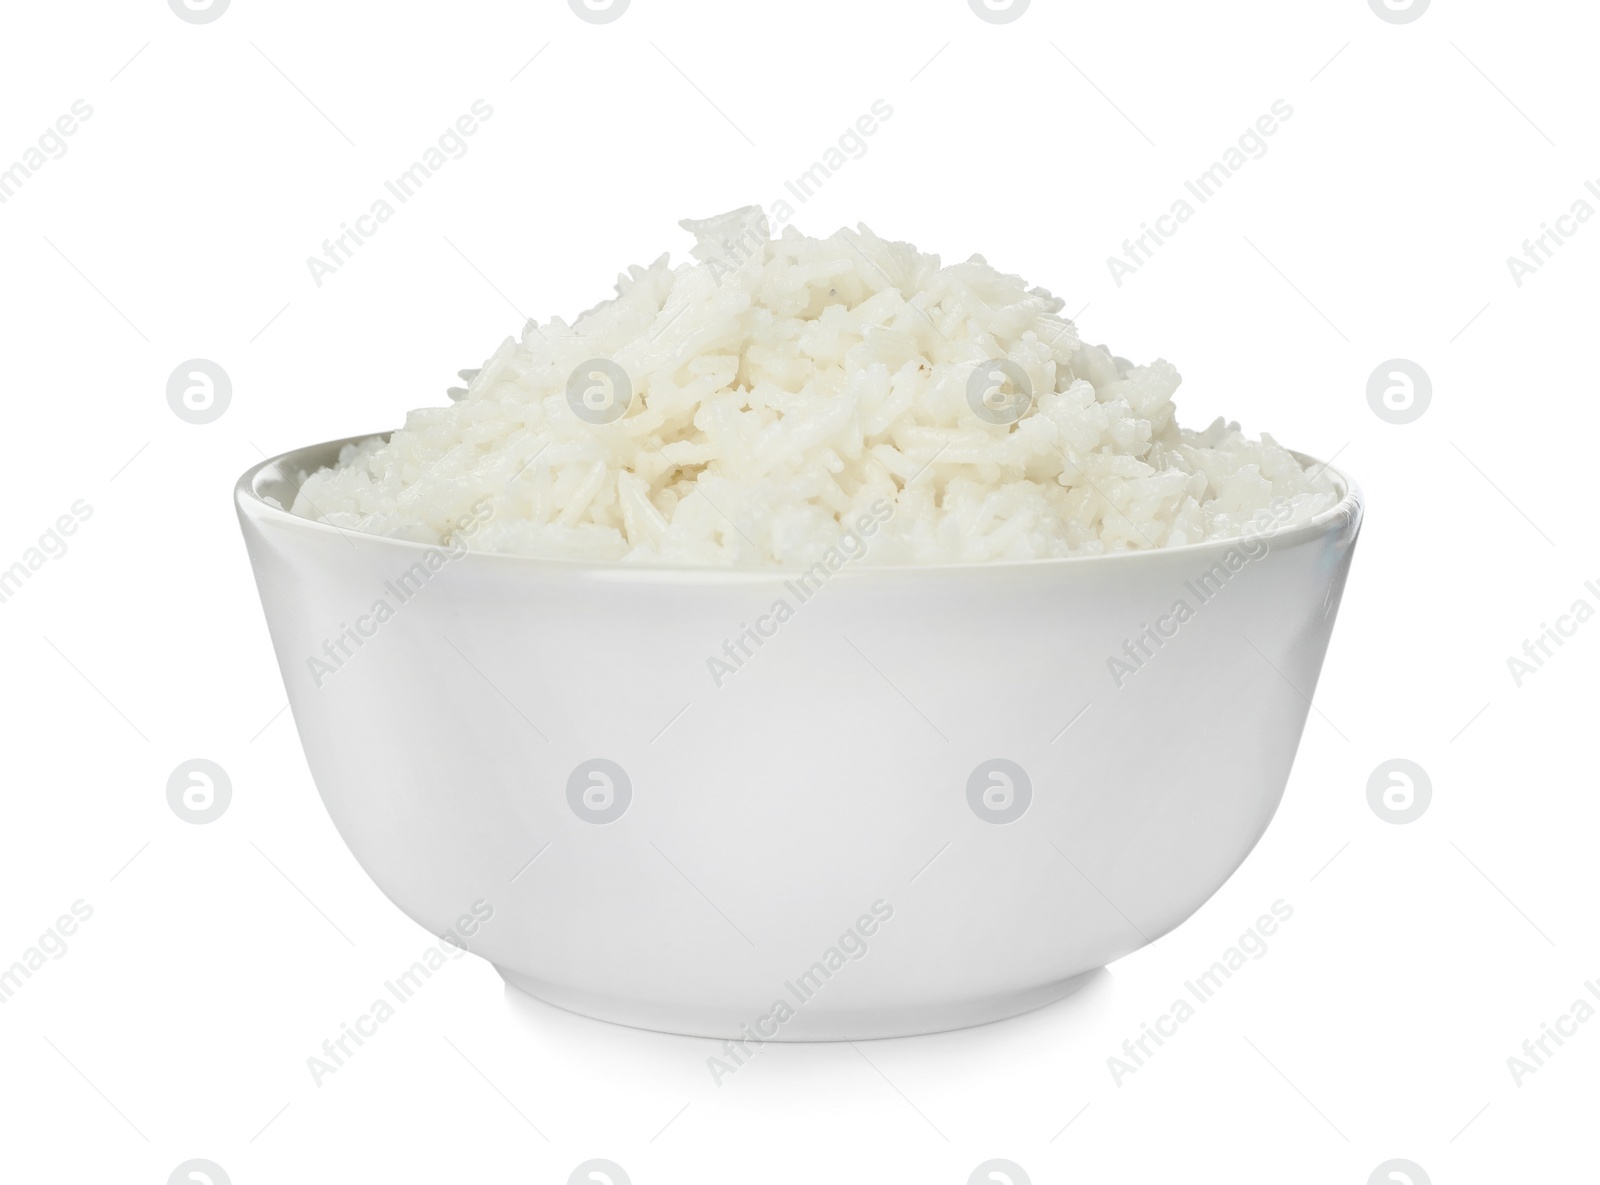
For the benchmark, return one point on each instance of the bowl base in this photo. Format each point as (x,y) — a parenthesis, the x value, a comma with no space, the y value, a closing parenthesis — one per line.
(813,1024)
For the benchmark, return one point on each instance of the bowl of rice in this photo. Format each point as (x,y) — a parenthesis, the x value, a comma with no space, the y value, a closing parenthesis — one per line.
(812,642)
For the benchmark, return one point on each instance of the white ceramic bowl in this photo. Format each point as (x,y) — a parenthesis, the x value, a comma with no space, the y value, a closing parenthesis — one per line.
(822,847)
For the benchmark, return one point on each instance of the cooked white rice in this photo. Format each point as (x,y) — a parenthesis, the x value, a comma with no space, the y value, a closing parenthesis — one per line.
(782,387)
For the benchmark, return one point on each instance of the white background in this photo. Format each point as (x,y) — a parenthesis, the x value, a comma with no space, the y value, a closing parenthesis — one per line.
(220,156)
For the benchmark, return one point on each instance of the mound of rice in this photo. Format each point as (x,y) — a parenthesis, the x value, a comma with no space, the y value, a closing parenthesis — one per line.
(762,399)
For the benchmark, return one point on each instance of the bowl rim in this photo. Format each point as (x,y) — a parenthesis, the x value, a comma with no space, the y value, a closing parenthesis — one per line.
(1347,512)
